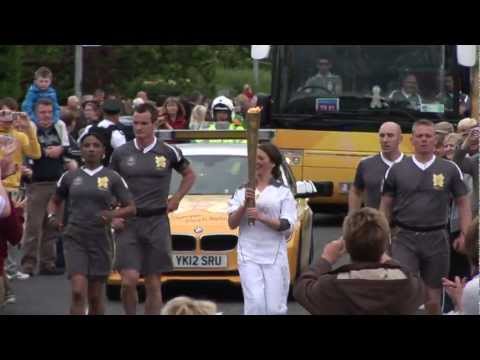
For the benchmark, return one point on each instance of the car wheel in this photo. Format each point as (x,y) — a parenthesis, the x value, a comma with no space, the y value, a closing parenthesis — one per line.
(142,294)
(113,292)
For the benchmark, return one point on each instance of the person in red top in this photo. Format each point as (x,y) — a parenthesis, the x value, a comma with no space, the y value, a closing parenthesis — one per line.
(176,114)
(250,95)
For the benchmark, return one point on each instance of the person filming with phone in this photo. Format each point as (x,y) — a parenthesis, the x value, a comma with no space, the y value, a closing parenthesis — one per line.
(466,156)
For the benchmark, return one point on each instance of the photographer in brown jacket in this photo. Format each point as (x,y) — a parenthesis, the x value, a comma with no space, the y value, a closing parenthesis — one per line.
(373,284)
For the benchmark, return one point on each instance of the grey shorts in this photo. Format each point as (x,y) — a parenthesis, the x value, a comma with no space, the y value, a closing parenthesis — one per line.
(426,253)
(145,245)
(88,252)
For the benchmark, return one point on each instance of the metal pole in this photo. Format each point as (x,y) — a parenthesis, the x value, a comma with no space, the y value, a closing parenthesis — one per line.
(256,68)
(78,70)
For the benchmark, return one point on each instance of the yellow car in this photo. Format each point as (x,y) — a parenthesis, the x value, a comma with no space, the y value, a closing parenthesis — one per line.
(204,247)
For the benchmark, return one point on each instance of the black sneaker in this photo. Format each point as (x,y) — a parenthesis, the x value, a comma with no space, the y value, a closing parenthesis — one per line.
(52,272)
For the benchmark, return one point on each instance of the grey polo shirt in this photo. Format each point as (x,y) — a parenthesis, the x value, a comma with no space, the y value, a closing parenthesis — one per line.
(369,177)
(398,96)
(331,82)
(91,192)
(148,172)
(422,196)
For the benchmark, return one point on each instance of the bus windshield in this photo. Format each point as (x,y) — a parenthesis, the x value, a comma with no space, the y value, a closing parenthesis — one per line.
(331,80)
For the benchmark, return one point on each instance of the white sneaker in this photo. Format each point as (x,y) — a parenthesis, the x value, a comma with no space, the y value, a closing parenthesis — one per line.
(21,276)
(10,299)
(18,276)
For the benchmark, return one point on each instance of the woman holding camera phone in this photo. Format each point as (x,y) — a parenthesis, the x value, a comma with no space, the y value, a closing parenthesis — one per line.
(466,157)
(18,126)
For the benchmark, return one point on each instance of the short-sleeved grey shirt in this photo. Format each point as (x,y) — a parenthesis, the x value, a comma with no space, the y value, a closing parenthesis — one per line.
(149,174)
(422,196)
(90,194)
(369,178)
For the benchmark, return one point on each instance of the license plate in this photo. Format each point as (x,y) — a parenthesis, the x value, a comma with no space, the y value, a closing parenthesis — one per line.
(200,262)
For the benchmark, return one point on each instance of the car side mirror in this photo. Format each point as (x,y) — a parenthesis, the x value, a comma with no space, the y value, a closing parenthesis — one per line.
(307,189)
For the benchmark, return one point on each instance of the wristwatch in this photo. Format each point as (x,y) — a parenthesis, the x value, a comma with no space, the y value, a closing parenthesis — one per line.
(51,216)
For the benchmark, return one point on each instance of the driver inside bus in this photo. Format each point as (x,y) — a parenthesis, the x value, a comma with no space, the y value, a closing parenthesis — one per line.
(324,79)
(447,96)
(408,95)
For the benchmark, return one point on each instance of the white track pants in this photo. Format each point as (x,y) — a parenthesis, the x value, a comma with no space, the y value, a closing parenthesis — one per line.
(265,287)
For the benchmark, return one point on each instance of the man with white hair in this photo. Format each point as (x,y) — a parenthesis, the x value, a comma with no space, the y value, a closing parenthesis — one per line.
(143,95)
(464,128)
(73,103)
(137,102)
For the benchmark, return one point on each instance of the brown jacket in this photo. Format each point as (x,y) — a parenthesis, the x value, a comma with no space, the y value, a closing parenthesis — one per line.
(359,289)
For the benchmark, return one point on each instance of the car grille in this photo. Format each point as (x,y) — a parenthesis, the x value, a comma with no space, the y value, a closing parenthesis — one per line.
(183,243)
(219,242)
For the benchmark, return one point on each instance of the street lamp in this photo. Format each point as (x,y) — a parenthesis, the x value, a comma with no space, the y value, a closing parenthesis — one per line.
(468,55)
(79,68)
(258,52)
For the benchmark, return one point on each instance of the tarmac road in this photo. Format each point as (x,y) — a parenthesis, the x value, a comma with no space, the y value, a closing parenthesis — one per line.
(49,295)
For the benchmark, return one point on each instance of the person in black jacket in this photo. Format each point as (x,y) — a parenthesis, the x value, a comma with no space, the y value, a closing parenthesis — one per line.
(109,127)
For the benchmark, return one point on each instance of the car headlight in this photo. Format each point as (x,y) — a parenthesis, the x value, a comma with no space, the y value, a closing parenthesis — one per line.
(293,157)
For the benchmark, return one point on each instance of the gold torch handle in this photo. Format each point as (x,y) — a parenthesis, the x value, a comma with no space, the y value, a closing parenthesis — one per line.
(253,125)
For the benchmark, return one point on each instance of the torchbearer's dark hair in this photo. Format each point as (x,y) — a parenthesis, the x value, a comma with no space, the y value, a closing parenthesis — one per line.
(275,157)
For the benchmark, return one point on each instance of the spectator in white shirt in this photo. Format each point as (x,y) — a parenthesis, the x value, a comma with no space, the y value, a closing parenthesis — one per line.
(465,295)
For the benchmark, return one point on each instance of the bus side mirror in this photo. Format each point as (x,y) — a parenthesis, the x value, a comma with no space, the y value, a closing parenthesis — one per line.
(265,102)
(467,55)
(260,52)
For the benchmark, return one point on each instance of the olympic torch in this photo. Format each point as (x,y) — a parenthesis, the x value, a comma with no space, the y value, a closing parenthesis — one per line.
(253,125)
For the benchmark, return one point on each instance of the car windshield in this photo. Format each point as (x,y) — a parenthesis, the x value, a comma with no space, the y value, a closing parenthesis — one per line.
(327,79)
(216,174)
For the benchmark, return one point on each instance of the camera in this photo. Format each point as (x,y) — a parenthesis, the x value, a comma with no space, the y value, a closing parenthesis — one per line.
(475,131)
(18,114)
(8,115)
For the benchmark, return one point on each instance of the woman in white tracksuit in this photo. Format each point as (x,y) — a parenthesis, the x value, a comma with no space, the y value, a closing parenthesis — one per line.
(262,248)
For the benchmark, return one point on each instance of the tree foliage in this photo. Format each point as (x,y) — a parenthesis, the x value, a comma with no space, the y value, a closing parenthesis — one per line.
(161,69)
(10,71)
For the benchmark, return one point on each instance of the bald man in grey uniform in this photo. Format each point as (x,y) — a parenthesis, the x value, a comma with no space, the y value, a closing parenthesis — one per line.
(416,195)
(371,171)
(144,244)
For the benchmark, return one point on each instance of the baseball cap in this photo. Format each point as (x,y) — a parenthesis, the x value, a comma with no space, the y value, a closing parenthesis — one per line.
(112,107)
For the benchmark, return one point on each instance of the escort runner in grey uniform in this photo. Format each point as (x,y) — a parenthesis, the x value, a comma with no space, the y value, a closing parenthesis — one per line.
(369,178)
(86,237)
(145,244)
(416,194)
(371,171)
